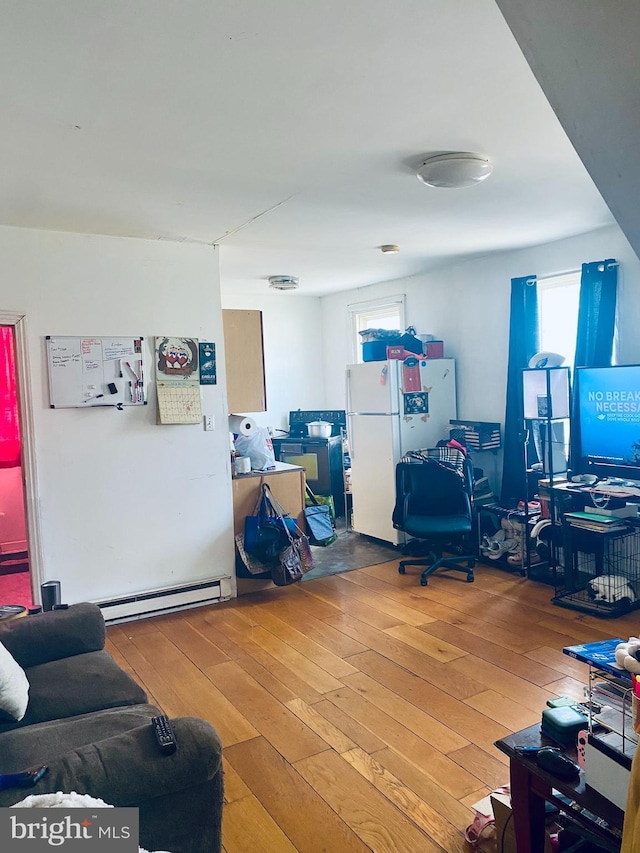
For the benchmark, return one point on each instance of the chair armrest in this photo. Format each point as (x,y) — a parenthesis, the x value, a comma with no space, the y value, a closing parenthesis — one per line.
(54,635)
(128,769)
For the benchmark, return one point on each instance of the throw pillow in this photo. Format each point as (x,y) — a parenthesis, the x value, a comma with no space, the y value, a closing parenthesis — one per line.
(14,687)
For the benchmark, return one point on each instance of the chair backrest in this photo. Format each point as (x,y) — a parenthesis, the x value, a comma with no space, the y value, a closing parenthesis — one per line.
(430,488)
(451,455)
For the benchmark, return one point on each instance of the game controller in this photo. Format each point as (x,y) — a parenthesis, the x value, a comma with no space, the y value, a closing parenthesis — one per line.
(581,747)
(557,763)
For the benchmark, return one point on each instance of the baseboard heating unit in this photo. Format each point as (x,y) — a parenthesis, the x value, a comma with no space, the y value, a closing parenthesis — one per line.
(165,600)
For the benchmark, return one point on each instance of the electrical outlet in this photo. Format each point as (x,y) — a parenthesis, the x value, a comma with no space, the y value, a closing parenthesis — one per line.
(209,422)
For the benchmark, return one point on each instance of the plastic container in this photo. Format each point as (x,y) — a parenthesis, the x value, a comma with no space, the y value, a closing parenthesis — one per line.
(375,350)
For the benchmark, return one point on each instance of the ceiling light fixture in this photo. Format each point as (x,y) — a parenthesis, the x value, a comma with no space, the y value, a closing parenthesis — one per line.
(283,282)
(453,170)
(389,249)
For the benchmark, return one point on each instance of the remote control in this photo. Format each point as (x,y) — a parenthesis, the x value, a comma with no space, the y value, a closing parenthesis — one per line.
(163,734)
(581,747)
(26,779)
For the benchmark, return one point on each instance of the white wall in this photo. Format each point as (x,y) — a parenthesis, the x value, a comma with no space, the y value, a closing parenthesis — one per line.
(293,352)
(467,305)
(125,505)
(584,56)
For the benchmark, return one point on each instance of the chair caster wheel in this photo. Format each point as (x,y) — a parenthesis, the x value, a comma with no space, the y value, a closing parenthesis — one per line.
(470,578)
(423,581)
(401,570)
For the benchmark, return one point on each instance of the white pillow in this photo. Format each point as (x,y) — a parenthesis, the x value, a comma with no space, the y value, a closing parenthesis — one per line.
(14,687)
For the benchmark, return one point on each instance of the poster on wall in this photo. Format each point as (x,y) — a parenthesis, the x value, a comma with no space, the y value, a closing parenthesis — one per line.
(178,380)
(207,363)
(177,359)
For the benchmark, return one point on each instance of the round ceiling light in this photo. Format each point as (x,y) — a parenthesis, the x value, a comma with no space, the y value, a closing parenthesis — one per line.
(283,282)
(457,169)
(389,249)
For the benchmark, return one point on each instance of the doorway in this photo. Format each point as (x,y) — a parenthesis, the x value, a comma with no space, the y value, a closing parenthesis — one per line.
(18,571)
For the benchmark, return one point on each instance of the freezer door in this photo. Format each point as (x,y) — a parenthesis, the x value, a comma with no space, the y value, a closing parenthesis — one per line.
(438,378)
(372,388)
(373,442)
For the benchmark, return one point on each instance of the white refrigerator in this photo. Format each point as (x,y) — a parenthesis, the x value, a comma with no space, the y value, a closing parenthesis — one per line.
(387,416)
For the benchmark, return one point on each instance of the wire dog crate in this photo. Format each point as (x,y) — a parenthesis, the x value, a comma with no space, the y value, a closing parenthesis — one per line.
(601,570)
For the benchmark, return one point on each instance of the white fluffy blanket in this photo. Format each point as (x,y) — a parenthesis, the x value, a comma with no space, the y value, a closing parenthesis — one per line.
(65,801)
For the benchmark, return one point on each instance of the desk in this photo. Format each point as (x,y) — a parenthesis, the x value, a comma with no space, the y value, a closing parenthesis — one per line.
(531,786)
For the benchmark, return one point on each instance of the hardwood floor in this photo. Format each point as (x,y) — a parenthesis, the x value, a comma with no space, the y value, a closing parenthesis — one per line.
(358,711)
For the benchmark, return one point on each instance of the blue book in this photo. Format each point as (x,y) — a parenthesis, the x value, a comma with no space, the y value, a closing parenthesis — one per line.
(601,654)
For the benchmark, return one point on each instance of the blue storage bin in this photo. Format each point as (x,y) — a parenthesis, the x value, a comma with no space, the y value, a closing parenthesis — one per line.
(377,350)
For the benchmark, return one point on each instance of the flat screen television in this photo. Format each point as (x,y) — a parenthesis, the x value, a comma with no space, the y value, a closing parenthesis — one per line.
(609,420)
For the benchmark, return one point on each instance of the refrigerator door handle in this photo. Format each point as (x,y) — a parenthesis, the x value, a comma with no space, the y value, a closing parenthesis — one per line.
(350,440)
(347,389)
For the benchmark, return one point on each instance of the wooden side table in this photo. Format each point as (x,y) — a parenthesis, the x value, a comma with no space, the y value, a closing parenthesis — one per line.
(531,786)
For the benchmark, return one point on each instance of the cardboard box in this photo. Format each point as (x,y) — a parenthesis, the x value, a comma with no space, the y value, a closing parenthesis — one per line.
(505,832)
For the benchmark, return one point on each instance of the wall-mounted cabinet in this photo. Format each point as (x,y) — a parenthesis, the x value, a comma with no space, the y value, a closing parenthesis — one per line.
(244,356)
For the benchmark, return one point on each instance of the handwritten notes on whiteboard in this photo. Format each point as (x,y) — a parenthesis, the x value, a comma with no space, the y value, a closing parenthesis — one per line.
(87,372)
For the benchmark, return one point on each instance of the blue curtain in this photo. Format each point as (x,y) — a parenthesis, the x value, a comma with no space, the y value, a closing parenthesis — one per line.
(523,343)
(596,327)
(597,314)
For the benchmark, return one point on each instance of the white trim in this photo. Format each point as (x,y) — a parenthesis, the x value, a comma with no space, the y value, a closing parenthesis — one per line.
(27,440)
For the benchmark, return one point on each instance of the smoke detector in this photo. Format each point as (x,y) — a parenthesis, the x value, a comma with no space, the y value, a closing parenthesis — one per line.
(283,282)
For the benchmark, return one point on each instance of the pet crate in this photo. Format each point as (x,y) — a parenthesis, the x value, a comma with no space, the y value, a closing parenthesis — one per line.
(601,570)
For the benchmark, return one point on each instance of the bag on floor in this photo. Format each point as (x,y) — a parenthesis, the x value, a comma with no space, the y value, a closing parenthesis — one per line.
(322,530)
(295,558)
(295,561)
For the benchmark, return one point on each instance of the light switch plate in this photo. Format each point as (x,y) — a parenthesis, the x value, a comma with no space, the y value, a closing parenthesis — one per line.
(209,423)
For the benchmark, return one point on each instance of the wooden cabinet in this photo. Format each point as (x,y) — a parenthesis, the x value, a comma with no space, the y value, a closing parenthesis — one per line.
(287,484)
(244,357)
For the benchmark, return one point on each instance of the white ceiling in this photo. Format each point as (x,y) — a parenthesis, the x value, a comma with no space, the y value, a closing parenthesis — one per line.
(287,131)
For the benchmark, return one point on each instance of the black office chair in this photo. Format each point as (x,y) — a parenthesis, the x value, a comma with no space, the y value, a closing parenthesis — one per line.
(433,503)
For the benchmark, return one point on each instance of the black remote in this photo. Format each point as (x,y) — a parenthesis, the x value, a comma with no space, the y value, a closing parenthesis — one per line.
(163,734)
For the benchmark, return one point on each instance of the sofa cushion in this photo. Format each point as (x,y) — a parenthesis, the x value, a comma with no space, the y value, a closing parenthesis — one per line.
(54,634)
(77,685)
(14,687)
(42,742)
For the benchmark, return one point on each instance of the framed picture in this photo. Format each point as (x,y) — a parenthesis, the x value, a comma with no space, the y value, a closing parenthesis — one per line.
(544,406)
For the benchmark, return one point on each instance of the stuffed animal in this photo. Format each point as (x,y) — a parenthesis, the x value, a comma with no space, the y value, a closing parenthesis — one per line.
(626,655)
(610,589)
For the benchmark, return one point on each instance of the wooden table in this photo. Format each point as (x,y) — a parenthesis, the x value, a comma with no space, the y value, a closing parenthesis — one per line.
(531,787)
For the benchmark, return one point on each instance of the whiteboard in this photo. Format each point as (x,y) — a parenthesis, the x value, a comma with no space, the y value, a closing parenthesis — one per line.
(91,372)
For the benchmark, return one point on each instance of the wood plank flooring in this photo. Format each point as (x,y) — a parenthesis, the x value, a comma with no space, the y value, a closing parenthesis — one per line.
(358,711)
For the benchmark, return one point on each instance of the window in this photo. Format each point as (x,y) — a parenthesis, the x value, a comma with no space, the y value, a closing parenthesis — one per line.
(558,298)
(381,314)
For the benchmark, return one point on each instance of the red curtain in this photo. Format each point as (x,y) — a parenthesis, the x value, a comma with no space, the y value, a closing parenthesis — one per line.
(9,423)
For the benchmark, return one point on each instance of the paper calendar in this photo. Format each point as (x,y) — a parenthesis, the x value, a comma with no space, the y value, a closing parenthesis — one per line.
(179,404)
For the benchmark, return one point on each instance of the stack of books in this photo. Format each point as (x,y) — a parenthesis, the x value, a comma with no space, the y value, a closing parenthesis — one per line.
(596,522)
(625,511)
(600,654)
